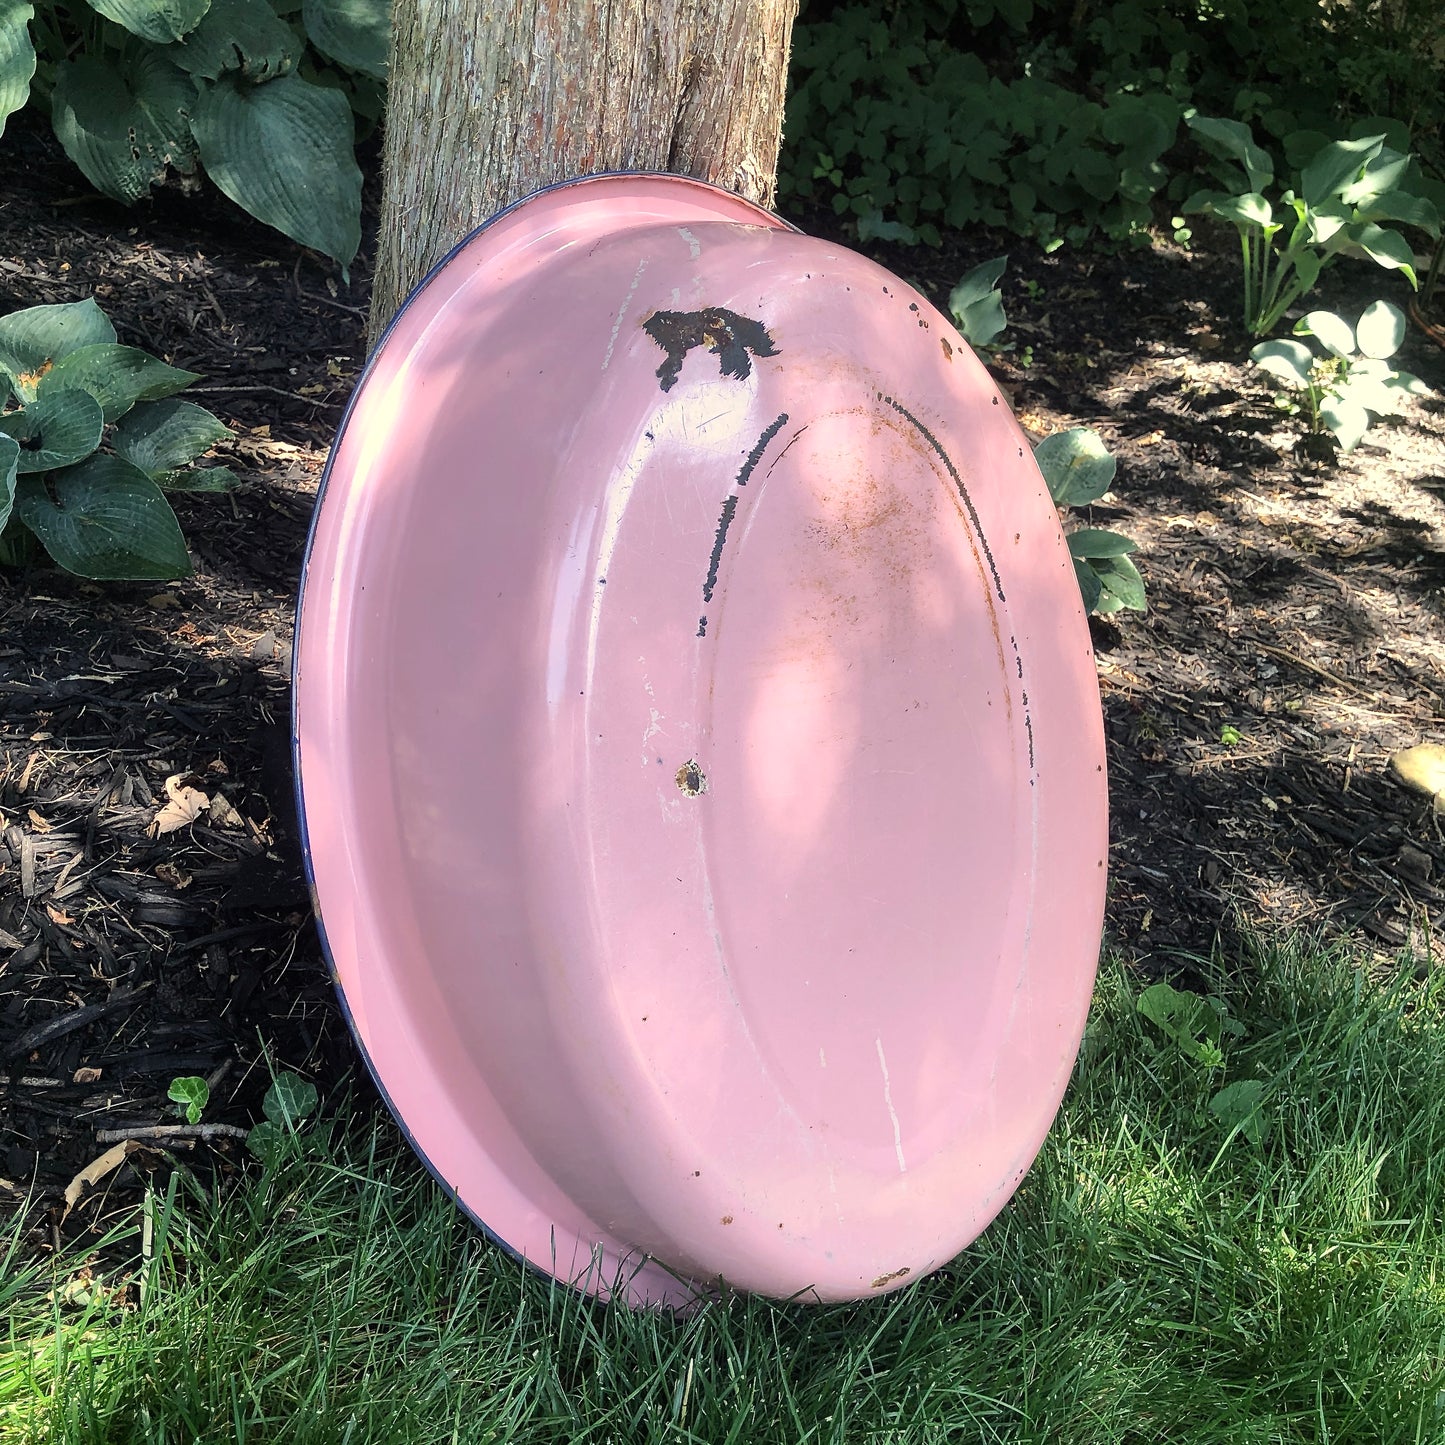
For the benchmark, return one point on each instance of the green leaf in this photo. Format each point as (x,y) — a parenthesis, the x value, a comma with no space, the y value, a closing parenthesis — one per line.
(116,376)
(1333,332)
(1386,248)
(1089,585)
(1234,140)
(244,35)
(1122,585)
(1347,419)
(33,340)
(1290,361)
(1076,465)
(267,1141)
(9,462)
(289,1100)
(1336,166)
(1240,1105)
(283,152)
(1379,178)
(159,21)
(192,1093)
(1250,209)
(976,305)
(1380,330)
(124,126)
(56,430)
(1098,542)
(107,521)
(197,479)
(159,436)
(17,57)
(354,33)
(1401,206)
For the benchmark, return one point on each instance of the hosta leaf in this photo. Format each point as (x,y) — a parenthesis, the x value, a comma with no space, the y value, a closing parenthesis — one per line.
(1076,465)
(1250,209)
(1380,330)
(1336,166)
(124,127)
(1089,585)
(1407,209)
(107,521)
(355,33)
(1121,583)
(1098,542)
(159,436)
(17,56)
(1347,419)
(197,479)
(159,21)
(1290,361)
(1386,248)
(283,152)
(33,340)
(1235,141)
(1332,332)
(56,430)
(244,35)
(976,305)
(1381,176)
(116,376)
(9,461)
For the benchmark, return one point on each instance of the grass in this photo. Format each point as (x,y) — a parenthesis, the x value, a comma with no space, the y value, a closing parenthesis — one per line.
(1158,1277)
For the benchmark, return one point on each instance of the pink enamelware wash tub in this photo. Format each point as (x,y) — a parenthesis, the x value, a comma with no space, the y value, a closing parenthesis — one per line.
(699,749)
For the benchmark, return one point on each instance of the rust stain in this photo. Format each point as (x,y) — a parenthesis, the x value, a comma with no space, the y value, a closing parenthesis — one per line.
(887,1279)
(691,779)
(730,337)
(947,349)
(727,1219)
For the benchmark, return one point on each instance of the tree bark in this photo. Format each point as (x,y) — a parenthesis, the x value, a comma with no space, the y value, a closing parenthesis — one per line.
(490,99)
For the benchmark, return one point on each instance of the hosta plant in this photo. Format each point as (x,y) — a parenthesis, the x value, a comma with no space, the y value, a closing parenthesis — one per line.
(1078,469)
(259,96)
(1346,378)
(92,436)
(1350,197)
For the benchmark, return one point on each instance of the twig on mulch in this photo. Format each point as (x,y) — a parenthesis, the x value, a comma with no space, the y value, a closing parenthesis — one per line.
(171,1131)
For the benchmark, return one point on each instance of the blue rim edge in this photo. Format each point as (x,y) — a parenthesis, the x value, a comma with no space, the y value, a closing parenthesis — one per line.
(620,1286)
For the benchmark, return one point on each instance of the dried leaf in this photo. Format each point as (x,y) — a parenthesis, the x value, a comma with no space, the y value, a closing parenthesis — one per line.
(169,873)
(186,804)
(39,823)
(97,1169)
(224,815)
(86,1074)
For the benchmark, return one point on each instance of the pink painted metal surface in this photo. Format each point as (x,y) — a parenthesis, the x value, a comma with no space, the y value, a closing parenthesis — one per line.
(700,752)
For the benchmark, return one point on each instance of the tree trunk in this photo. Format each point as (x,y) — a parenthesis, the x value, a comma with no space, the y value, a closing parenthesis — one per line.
(490,99)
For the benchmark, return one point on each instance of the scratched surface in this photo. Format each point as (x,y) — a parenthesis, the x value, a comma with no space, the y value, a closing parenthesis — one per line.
(701,752)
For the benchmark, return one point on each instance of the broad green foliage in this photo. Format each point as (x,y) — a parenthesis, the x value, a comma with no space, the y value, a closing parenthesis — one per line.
(1350,378)
(257,96)
(1350,195)
(1058,120)
(1078,469)
(1200,1029)
(90,435)
(1076,465)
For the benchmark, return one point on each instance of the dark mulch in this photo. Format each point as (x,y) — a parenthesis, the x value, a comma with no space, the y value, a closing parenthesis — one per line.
(1295,601)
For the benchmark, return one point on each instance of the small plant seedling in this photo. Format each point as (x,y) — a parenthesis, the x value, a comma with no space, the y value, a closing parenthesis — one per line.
(288,1101)
(1349,378)
(1078,469)
(190,1094)
(1229,735)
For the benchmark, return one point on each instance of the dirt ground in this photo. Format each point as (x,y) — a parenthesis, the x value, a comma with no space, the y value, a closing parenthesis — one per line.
(1293,600)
